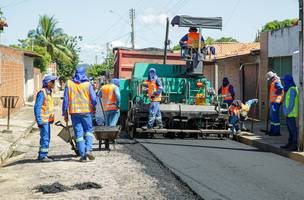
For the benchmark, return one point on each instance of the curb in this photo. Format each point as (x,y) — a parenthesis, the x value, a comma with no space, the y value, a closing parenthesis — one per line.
(10,150)
(250,140)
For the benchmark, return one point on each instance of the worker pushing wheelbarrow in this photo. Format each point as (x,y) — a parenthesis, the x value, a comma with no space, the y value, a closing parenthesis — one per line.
(108,108)
(67,135)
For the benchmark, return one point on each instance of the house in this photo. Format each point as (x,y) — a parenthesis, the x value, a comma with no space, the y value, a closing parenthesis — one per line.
(240,63)
(18,77)
(279,53)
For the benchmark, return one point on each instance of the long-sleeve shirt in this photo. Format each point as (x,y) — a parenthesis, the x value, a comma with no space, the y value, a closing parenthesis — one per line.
(38,104)
(65,104)
(279,87)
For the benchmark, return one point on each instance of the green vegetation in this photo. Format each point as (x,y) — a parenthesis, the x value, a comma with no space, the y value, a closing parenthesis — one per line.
(101,69)
(276,25)
(53,45)
(210,41)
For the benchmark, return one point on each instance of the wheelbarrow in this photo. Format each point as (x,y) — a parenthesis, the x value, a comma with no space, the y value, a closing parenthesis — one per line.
(67,135)
(106,134)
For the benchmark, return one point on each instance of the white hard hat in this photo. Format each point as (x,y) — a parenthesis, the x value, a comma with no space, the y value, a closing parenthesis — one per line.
(270,75)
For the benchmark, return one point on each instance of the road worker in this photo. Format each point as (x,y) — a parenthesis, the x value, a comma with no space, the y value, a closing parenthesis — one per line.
(275,99)
(110,96)
(227,91)
(238,113)
(291,111)
(80,101)
(234,115)
(186,42)
(155,89)
(44,114)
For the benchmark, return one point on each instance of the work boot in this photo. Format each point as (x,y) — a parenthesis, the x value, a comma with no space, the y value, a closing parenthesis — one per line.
(83,159)
(90,155)
(286,146)
(292,148)
(46,159)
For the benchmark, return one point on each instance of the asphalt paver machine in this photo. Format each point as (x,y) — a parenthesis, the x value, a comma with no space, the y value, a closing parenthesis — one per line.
(189,106)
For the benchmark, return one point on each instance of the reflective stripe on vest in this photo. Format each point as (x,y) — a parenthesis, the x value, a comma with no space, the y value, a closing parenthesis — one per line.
(225,91)
(295,110)
(108,97)
(79,97)
(274,98)
(47,108)
(234,110)
(192,36)
(152,88)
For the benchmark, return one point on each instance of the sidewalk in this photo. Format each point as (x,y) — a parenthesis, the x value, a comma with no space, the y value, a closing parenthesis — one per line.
(272,144)
(21,124)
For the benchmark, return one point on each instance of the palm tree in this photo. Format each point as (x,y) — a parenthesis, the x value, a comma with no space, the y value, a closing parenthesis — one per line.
(52,38)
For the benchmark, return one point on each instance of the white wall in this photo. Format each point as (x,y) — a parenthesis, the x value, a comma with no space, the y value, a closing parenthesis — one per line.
(29,88)
(285,42)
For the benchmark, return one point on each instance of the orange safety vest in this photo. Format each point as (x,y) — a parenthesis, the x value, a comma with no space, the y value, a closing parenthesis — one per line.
(225,91)
(152,88)
(192,36)
(108,97)
(47,108)
(274,98)
(234,110)
(79,97)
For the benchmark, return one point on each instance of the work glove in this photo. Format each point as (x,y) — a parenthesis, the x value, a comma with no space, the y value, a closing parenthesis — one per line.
(66,118)
(40,125)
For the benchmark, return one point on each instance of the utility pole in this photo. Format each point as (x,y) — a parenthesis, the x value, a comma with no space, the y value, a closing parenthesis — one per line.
(301,89)
(166,41)
(132,17)
(96,59)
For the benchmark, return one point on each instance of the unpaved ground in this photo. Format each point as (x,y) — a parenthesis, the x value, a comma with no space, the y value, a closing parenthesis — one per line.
(127,172)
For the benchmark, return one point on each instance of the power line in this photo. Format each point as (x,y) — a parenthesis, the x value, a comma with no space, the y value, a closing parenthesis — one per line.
(233,11)
(13,4)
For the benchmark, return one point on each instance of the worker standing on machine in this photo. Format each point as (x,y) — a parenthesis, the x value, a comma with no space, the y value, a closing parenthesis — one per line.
(80,101)
(44,115)
(154,93)
(275,98)
(110,96)
(186,42)
(227,91)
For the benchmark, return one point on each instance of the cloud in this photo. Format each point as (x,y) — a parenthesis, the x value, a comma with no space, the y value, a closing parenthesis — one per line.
(91,48)
(154,19)
(118,43)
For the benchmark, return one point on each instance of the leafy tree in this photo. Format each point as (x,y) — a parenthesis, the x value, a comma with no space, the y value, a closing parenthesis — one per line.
(209,41)
(226,39)
(41,62)
(275,25)
(54,46)
(176,47)
(101,69)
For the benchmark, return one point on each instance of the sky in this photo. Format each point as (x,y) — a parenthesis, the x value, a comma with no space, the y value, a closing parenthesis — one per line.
(100,22)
